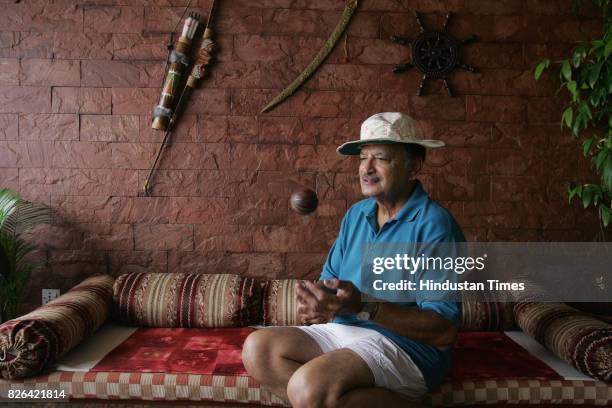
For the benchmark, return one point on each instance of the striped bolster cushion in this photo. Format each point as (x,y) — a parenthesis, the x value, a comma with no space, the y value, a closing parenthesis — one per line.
(279,302)
(31,342)
(574,336)
(280,309)
(480,313)
(187,300)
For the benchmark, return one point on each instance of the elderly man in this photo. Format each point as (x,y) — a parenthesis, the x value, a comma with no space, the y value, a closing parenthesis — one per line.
(351,353)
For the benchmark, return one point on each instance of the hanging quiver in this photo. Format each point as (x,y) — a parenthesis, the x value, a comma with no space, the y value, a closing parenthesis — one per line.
(178,63)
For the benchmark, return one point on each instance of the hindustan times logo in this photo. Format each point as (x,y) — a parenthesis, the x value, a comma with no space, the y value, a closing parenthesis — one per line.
(412,264)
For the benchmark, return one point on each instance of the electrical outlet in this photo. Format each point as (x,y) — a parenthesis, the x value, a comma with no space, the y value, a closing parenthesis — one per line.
(49,294)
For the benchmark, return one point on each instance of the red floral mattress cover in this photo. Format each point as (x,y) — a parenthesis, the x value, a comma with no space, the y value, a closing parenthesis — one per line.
(192,351)
(477,356)
(205,365)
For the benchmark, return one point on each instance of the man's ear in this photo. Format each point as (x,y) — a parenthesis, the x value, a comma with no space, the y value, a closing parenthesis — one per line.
(417,166)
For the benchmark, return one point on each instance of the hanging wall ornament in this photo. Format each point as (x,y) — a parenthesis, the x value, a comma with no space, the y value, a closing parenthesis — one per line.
(198,72)
(179,62)
(328,46)
(435,54)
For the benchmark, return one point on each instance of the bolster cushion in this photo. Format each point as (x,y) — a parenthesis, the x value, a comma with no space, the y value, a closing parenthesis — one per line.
(479,313)
(30,343)
(579,339)
(487,316)
(280,309)
(187,300)
(280,302)
(600,310)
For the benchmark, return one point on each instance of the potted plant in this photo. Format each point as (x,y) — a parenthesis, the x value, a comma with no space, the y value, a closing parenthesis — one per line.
(16,217)
(587,76)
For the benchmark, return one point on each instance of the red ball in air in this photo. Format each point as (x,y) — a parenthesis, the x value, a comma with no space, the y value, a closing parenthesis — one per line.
(304,201)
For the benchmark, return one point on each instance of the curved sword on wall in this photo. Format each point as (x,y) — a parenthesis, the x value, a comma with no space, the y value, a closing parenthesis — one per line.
(349,9)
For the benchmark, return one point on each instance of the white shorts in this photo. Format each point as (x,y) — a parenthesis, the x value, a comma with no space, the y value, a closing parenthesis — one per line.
(391,366)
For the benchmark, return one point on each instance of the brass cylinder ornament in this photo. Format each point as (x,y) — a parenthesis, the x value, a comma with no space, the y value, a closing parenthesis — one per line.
(179,61)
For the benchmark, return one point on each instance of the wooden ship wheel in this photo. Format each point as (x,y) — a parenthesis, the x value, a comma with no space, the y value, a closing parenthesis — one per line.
(435,54)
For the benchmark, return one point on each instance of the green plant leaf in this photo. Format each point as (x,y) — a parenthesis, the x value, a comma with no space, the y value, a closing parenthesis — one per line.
(587,197)
(591,194)
(8,204)
(566,70)
(16,216)
(586,146)
(584,108)
(575,192)
(578,123)
(608,49)
(567,117)
(606,172)
(572,87)
(539,69)
(596,44)
(594,74)
(572,192)
(25,217)
(606,214)
(578,56)
(598,95)
(600,157)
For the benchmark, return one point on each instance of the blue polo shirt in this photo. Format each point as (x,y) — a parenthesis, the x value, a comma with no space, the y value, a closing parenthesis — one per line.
(420,220)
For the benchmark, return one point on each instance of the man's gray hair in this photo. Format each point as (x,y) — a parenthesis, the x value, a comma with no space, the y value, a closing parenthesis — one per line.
(414,151)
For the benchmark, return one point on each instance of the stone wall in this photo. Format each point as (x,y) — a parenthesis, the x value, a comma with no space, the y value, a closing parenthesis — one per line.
(79,79)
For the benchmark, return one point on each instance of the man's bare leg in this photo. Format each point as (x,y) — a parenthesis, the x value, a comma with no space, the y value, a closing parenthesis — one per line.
(272,355)
(339,379)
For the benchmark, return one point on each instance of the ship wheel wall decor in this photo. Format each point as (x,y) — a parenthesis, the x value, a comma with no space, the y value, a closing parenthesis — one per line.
(435,54)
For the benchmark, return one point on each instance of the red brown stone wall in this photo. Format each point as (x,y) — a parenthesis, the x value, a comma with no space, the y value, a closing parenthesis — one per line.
(79,79)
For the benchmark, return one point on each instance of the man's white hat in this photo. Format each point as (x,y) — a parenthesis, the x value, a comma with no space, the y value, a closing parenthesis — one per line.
(387,128)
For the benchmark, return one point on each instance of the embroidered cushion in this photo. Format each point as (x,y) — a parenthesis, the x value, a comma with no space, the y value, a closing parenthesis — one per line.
(187,300)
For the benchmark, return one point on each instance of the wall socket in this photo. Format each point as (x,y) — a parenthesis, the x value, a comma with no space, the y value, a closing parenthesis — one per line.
(49,294)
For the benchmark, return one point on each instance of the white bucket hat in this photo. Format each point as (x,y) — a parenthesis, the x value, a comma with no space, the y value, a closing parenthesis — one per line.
(387,128)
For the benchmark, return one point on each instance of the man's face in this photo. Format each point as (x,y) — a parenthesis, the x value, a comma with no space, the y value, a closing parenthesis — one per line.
(384,170)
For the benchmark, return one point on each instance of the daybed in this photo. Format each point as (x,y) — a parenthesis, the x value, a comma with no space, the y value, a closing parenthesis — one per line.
(172,337)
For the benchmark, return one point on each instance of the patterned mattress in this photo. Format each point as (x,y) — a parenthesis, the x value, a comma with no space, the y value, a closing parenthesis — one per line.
(128,373)
(243,389)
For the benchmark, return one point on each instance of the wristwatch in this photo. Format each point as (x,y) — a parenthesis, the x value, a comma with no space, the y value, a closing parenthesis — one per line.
(368,311)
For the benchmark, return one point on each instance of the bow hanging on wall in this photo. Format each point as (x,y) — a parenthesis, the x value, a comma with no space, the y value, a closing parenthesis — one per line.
(327,48)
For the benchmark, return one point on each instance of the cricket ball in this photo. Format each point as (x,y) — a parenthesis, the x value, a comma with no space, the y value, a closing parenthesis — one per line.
(304,201)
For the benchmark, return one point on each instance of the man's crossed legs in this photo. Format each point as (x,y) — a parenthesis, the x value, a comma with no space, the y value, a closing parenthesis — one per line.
(332,365)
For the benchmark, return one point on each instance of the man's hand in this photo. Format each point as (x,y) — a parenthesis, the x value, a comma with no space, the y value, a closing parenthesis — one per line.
(320,302)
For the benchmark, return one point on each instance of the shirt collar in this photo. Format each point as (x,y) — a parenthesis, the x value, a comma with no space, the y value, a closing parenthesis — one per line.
(409,211)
